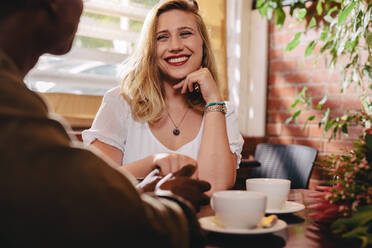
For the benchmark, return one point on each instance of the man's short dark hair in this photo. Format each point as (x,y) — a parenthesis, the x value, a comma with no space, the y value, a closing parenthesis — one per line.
(7,7)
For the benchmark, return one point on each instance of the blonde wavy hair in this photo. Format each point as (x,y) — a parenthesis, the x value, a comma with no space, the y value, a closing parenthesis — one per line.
(142,85)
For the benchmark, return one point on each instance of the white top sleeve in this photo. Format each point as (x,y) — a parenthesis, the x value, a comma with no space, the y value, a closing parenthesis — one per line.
(110,125)
(235,138)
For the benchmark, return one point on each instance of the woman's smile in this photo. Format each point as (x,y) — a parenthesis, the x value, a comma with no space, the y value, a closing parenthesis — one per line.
(179,45)
(177,60)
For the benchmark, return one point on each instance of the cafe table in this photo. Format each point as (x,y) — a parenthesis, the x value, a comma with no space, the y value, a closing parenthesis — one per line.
(300,232)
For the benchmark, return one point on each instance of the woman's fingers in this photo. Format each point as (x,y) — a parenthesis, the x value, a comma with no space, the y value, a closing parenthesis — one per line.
(171,162)
(179,85)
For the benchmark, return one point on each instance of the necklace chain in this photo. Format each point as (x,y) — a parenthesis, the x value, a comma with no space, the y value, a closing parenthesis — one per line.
(176,130)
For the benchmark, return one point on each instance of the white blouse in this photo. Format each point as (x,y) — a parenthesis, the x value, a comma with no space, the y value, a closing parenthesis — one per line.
(115,126)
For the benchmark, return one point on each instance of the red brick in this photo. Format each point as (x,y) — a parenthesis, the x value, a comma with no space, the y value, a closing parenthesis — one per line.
(316,132)
(288,65)
(282,91)
(334,103)
(326,76)
(281,39)
(286,103)
(310,63)
(293,24)
(334,89)
(274,104)
(352,103)
(273,129)
(278,117)
(272,27)
(275,53)
(317,90)
(337,146)
(297,77)
(354,132)
(301,119)
(274,140)
(310,35)
(295,131)
(299,51)
(316,144)
(275,78)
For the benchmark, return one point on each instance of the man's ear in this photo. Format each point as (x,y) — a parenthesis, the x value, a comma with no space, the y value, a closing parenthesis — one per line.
(51,6)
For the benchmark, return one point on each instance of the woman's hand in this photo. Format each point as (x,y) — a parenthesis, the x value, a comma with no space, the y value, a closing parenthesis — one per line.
(171,162)
(181,184)
(207,85)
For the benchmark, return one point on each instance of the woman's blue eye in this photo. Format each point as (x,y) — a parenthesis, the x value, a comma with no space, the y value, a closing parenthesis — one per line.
(186,33)
(161,37)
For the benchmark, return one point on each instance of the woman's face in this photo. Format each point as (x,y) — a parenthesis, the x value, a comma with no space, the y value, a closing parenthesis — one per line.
(179,45)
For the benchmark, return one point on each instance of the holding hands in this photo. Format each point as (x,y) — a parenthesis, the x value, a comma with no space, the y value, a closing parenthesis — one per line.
(206,82)
(178,183)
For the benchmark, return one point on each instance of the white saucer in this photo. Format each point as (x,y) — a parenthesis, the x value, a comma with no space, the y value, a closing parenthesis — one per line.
(289,207)
(211,223)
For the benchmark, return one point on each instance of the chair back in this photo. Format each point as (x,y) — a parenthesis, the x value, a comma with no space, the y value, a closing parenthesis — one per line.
(293,162)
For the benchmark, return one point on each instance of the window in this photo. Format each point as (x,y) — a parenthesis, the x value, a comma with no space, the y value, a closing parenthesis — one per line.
(107,34)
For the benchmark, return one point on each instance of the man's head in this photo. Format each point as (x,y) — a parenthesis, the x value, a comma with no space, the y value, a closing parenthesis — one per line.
(51,24)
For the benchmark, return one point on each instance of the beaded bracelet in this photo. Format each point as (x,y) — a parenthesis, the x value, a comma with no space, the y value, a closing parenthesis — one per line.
(216,108)
(214,103)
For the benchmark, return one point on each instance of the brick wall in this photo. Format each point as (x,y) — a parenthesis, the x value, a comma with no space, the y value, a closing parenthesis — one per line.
(289,72)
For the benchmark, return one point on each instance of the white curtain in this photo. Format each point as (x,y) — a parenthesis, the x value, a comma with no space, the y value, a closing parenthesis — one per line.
(247,65)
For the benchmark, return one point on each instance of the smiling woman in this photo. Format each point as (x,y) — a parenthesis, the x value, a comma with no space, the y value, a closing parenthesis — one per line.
(156,118)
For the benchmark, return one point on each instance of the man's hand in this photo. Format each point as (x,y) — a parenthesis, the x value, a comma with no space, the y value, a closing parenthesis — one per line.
(180,183)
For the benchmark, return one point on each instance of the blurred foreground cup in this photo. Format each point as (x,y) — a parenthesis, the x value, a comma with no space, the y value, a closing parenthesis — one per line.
(239,208)
(277,190)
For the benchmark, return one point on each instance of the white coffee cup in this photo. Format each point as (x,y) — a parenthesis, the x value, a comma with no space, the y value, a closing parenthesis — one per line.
(277,190)
(239,208)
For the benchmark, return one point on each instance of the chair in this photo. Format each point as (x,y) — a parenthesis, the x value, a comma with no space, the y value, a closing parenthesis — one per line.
(293,162)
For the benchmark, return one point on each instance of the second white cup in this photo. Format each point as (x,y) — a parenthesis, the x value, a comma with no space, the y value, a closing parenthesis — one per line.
(277,190)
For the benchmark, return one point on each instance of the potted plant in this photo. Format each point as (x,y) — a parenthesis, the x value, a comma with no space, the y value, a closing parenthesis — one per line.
(345,38)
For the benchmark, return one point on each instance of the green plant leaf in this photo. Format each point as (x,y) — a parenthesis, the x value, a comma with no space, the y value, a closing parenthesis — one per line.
(327,46)
(324,34)
(296,114)
(319,7)
(344,129)
(325,117)
(301,14)
(368,140)
(321,102)
(310,48)
(294,104)
(294,42)
(330,12)
(311,118)
(369,39)
(259,3)
(303,92)
(263,10)
(342,16)
(279,16)
(312,23)
(328,125)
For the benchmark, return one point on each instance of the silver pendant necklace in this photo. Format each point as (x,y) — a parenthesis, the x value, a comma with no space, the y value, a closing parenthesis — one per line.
(176,131)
